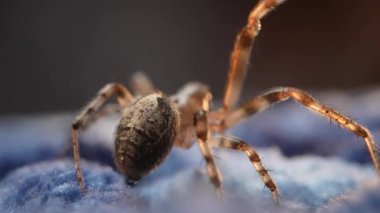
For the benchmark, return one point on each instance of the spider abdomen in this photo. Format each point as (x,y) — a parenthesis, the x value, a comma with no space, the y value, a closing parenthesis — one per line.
(145,135)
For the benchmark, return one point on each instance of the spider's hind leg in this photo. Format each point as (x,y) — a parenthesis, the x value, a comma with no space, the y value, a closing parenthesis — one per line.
(87,115)
(239,145)
(141,84)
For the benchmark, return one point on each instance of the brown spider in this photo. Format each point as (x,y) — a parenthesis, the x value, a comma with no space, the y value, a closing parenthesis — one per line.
(152,122)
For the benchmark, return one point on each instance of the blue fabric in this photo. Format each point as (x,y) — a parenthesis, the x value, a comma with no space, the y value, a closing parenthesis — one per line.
(318,166)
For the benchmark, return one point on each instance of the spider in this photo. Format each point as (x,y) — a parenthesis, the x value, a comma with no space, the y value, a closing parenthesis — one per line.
(152,122)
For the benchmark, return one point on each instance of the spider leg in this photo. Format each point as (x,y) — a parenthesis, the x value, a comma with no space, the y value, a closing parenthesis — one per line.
(141,84)
(104,111)
(281,94)
(254,157)
(107,110)
(124,97)
(203,134)
(242,51)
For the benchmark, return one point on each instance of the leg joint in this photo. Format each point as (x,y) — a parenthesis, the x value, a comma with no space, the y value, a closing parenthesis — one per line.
(362,132)
(201,124)
(76,125)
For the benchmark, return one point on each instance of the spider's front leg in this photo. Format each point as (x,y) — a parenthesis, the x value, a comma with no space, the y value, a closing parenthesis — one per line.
(204,135)
(281,94)
(239,145)
(124,97)
(242,51)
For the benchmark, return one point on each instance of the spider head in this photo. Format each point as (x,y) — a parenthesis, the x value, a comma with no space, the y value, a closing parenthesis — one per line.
(192,98)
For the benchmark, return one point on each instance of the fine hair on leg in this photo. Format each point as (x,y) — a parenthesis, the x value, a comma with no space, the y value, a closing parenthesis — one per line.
(281,94)
(222,141)
(124,97)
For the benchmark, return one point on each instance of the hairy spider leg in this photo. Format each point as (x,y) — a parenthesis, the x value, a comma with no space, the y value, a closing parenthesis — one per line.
(124,97)
(204,135)
(229,142)
(242,51)
(141,84)
(281,94)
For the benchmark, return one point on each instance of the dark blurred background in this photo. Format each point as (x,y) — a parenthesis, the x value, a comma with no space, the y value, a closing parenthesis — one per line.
(55,55)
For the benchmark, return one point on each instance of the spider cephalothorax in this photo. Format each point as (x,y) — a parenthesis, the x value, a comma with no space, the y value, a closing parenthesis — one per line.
(151,122)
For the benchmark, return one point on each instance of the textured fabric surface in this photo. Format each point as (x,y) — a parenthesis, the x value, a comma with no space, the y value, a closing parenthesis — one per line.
(318,166)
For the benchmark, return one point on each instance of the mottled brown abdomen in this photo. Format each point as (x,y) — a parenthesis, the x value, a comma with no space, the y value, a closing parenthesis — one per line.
(145,135)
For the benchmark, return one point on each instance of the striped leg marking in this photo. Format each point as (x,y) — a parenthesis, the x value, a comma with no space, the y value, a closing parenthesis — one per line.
(89,112)
(254,157)
(281,94)
(203,134)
